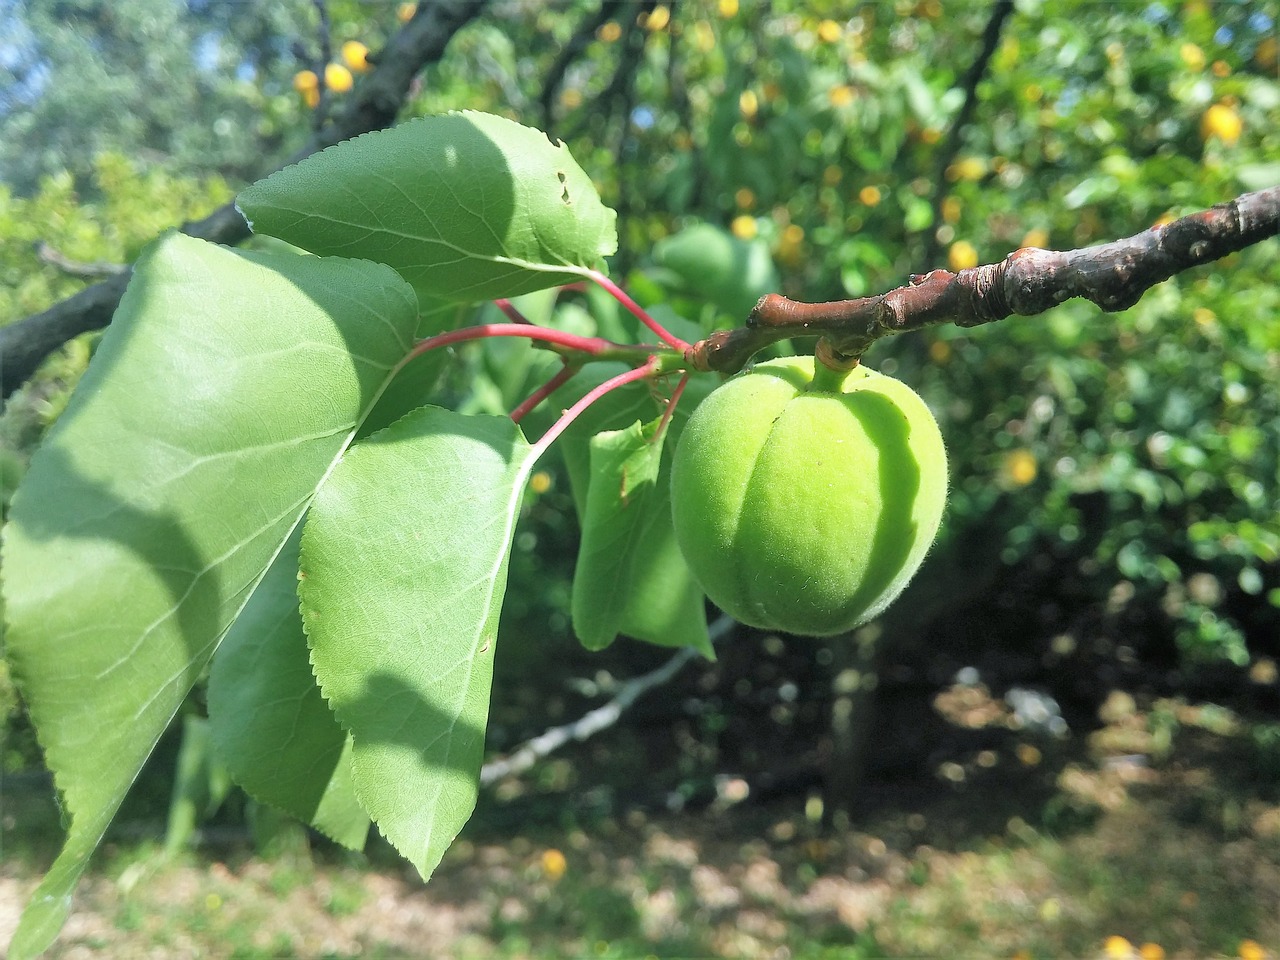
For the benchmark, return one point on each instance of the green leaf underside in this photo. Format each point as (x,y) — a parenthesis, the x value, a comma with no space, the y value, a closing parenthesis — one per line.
(466,206)
(663,604)
(625,562)
(270,723)
(404,565)
(220,397)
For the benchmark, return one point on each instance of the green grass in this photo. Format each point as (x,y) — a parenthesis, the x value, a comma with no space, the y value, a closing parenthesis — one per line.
(1180,854)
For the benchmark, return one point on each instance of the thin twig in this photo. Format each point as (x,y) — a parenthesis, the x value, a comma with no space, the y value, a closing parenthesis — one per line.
(601,718)
(322,64)
(78,268)
(1000,12)
(571,51)
(1114,276)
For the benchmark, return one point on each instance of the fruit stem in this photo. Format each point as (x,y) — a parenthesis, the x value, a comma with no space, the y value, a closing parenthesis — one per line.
(830,369)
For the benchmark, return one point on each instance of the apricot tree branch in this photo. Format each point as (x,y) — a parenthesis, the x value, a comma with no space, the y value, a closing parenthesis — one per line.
(1000,12)
(593,721)
(373,104)
(77,268)
(1114,276)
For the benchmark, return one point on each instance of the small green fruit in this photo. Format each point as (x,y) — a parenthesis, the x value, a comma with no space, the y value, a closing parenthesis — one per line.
(806,508)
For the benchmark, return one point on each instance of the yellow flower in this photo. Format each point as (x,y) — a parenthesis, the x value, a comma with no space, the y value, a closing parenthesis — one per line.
(1223,122)
(829,31)
(553,864)
(405,12)
(305,80)
(869,195)
(962,256)
(743,227)
(337,78)
(356,55)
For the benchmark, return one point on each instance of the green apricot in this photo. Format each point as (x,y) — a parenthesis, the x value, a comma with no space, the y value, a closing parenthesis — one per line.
(806,507)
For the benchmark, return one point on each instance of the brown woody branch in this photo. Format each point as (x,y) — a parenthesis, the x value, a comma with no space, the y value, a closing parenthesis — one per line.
(373,105)
(1113,275)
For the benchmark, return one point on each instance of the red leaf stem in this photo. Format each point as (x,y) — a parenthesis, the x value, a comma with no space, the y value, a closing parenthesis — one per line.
(567,418)
(544,391)
(592,346)
(615,291)
(509,308)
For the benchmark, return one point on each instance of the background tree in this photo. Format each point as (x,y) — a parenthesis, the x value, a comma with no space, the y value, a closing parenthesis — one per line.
(1112,521)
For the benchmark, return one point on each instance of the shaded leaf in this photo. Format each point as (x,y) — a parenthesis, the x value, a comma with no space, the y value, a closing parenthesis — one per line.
(630,574)
(404,566)
(220,397)
(271,726)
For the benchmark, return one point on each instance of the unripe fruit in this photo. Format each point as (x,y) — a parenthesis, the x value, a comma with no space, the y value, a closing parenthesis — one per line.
(337,78)
(1221,121)
(807,508)
(356,55)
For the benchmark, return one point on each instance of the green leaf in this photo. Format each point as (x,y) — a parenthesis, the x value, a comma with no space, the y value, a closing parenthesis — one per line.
(219,399)
(467,207)
(404,566)
(271,725)
(658,569)
(731,273)
(630,575)
(200,784)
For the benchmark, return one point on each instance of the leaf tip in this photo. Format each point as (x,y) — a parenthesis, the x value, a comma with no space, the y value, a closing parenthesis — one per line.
(244,216)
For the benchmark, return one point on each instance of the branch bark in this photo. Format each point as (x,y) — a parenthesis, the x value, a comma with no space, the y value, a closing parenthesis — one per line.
(1114,276)
(593,721)
(373,105)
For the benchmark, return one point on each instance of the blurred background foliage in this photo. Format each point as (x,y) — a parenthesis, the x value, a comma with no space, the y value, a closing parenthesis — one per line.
(1113,519)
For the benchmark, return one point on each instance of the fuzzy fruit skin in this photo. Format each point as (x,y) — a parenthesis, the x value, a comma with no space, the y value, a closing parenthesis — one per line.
(807,510)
